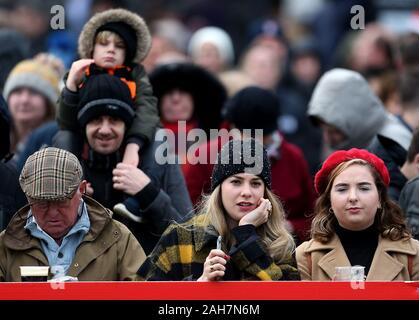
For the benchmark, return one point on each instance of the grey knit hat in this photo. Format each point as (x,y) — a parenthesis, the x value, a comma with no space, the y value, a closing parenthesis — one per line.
(241,156)
(51,174)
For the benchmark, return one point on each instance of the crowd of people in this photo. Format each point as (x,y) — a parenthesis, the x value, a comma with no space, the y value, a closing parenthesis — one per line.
(111,170)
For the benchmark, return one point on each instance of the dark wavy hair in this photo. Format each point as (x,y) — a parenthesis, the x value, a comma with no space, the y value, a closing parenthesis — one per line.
(389,220)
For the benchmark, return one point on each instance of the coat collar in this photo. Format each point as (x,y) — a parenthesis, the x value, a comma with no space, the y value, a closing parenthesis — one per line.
(336,257)
(382,257)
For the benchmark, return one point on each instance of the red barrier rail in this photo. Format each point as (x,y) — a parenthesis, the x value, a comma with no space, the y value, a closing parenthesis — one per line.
(210,291)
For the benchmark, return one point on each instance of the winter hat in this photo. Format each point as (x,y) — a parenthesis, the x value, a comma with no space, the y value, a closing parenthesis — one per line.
(127,33)
(241,156)
(116,19)
(104,94)
(253,108)
(51,174)
(337,157)
(305,46)
(216,36)
(33,74)
(264,28)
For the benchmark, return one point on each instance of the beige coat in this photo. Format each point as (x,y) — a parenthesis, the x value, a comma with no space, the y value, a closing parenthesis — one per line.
(108,252)
(390,262)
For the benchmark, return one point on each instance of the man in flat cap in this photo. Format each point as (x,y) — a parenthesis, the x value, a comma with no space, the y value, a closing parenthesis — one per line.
(65,229)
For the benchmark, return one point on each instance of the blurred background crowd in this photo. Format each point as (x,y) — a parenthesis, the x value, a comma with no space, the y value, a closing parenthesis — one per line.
(281,45)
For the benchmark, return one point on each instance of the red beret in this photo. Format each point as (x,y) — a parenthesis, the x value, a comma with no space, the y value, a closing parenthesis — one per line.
(337,157)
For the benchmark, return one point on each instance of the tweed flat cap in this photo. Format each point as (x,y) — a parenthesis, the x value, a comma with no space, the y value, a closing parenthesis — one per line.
(51,174)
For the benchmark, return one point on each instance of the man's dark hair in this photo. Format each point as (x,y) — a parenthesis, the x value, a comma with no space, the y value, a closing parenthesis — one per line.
(409,49)
(409,84)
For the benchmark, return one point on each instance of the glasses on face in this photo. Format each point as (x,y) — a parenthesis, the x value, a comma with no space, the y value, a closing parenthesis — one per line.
(44,205)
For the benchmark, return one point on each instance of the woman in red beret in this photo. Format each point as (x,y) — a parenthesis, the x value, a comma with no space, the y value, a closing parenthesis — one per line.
(356,224)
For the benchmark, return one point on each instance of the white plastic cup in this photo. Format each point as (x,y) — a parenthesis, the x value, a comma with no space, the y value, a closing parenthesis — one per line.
(351,273)
(358,273)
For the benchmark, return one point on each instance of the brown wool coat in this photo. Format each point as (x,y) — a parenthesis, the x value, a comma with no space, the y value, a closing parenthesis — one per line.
(108,252)
(317,261)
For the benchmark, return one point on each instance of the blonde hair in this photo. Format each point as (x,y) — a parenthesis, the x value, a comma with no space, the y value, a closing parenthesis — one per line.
(278,241)
(102,36)
(235,80)
(389,219)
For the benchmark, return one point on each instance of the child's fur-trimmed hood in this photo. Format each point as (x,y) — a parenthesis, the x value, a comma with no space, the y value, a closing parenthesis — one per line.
(87,35)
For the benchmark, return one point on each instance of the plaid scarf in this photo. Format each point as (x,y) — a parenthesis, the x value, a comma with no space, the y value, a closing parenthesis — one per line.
(181,252)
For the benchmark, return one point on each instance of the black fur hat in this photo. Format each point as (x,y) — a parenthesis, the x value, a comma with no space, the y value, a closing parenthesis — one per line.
(207,91)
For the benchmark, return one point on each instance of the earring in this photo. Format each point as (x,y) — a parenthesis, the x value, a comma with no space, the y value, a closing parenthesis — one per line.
(331,210)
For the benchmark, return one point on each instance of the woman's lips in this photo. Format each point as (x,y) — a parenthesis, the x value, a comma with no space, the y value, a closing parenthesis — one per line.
(354,210)
(246,206)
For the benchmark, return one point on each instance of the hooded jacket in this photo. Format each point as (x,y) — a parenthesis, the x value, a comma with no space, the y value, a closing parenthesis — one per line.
(343,98)
(88,34)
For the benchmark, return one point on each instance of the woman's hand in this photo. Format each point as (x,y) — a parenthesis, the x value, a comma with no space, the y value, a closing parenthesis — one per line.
(258,216)
(214,266)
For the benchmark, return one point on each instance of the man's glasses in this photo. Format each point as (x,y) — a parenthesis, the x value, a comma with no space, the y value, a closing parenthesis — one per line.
(44,205)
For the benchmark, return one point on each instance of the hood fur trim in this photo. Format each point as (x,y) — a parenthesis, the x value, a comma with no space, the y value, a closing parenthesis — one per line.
(87,35)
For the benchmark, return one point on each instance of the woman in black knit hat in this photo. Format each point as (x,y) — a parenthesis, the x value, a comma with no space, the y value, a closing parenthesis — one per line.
(239,232)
